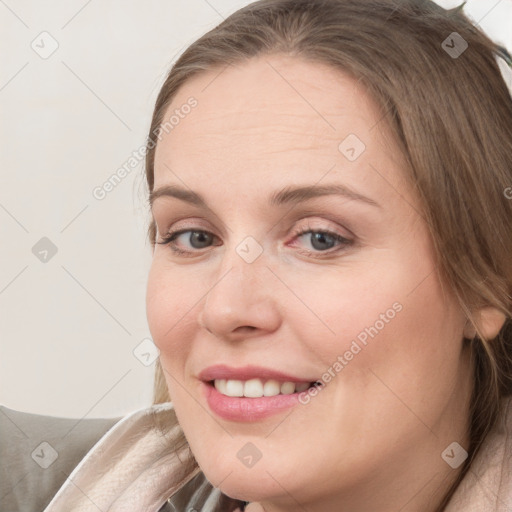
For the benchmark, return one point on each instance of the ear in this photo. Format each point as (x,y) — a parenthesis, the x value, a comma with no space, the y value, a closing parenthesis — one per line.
(489,320)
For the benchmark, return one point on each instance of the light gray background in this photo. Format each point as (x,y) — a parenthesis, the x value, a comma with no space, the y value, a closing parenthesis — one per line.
(69,326)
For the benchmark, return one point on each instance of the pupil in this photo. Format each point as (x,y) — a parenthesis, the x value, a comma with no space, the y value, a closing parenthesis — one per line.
(321,237)
(198,236)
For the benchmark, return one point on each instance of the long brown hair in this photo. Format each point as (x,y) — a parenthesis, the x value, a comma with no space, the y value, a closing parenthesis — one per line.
(452,118)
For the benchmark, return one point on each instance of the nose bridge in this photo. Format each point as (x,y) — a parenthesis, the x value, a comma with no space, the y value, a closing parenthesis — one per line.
(241,293)
(244,256)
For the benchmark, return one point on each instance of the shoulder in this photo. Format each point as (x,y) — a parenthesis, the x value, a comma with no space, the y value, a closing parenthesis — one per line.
(38,452)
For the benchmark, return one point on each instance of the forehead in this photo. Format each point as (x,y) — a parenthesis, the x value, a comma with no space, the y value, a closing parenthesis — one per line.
(271,117)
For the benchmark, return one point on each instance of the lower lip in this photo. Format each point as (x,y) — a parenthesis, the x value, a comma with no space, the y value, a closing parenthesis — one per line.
(247,409)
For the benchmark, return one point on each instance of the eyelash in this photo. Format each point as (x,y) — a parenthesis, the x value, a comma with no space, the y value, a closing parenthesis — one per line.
(172,235)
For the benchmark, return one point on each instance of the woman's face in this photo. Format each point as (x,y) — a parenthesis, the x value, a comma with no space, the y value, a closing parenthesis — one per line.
(359,308)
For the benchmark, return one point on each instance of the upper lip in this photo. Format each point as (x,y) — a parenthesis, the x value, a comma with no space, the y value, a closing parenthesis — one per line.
(222,371)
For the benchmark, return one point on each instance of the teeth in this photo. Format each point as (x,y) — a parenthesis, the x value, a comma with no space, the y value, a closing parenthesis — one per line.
(256,388)
(271,388)
(287,388)
(220,386)
(234,388)
(301,386)
(253,388)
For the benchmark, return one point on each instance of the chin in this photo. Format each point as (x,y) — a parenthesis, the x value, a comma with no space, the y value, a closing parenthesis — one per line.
(248,489)
(245,483)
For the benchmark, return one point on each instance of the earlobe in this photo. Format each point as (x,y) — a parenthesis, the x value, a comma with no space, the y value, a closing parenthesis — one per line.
(469,330)
(489,321)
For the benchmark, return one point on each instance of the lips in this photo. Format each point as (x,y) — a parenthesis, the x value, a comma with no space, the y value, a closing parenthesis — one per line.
(241,409)
(249,408)
(221,371)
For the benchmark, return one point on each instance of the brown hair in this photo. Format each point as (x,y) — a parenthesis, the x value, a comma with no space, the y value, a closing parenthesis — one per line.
(452,118)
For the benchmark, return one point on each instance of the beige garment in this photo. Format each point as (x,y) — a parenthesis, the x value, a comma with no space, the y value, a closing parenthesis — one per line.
(487,486)
(133,468)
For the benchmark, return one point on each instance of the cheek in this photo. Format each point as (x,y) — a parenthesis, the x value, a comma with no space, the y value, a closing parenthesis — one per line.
(342,309)
(169,311)
(392,311)
(417,349)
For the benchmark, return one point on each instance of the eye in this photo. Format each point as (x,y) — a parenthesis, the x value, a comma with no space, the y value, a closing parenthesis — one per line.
(197,238)
(322,241)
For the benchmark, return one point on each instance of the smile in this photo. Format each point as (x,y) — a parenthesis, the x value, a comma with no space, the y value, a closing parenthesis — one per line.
(256,388)
(251,392)
(251,408)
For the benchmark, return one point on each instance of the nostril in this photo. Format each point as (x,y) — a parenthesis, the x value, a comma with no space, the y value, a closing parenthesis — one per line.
(247,327)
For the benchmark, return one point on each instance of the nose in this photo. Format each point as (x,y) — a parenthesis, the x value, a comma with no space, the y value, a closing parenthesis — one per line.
(241,302)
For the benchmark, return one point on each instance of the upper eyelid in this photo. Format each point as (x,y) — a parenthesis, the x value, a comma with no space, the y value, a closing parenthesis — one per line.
(295,214)
(309,224)
(296,232)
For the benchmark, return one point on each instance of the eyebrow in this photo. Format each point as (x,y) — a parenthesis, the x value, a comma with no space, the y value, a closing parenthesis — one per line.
(288,195)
